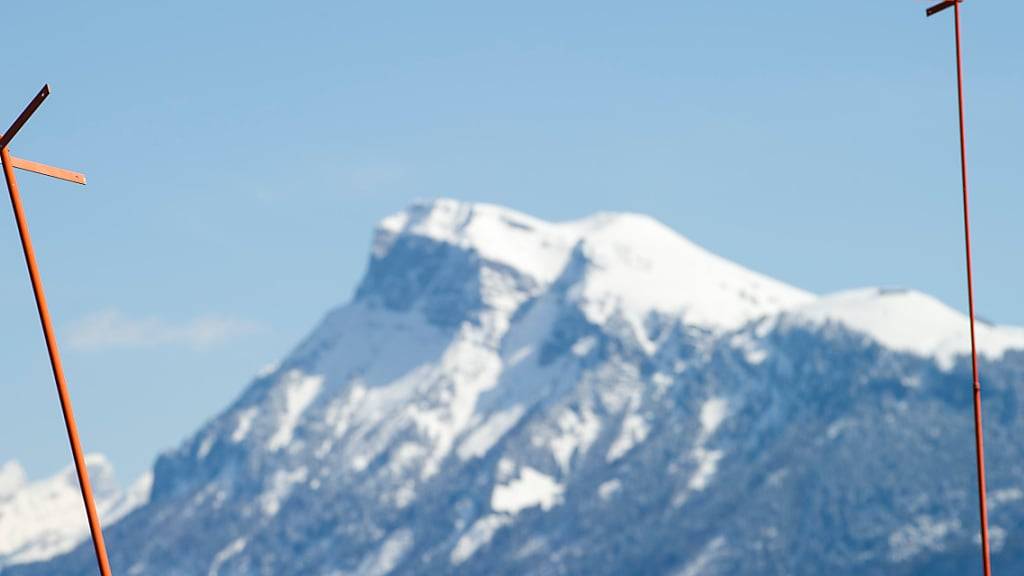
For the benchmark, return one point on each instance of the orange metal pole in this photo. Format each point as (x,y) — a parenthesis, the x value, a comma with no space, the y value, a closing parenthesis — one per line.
(55,364)
(979,436)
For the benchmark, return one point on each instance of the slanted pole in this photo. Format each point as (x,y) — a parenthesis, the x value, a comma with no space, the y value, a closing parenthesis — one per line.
(979,436)
(9,163)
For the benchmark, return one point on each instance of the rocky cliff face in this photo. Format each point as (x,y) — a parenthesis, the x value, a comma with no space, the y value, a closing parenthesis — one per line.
(505,395)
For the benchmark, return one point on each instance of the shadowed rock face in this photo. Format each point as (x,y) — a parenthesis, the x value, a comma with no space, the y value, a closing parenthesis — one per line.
(502,397)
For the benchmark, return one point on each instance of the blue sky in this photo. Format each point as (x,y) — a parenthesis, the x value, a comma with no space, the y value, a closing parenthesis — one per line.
(239,155)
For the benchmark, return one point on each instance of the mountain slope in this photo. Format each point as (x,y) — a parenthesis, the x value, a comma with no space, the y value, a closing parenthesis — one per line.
(42,519)
(505,395)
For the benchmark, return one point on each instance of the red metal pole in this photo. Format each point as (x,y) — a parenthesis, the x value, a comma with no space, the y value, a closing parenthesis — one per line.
(979,439)
(55,365)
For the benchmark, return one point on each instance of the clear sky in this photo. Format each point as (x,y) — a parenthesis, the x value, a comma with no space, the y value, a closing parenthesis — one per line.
(239,155)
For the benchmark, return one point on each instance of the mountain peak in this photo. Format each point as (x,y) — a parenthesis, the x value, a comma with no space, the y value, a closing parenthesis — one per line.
(527,244)
(43,518)
(624,263)
(12,479)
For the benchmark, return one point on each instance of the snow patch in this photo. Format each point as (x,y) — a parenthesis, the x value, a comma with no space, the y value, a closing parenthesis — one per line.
(341,413)
(486,435)
(707,465)
(996,538)
(838,427)
(712,413)
(609,489)
(662,382)
(926,534)
(753,348)
(388,555)
(478,535)
(470,370)
(530,489)
(243,424)
(634,431)
(279,488)
(999,498)
(136,495)
(299,392)
(584,345)
(267,369)
(205,446)
(519,355)
(702,563)
(230,551)
(577,432)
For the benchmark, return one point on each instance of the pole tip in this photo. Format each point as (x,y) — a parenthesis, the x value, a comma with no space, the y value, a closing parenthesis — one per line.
(941,6)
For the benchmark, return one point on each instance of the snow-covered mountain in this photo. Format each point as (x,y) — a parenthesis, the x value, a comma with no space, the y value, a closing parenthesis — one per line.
(909,321)
(505,395)
(39,520)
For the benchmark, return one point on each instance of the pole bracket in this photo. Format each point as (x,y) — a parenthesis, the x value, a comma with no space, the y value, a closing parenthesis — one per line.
(941,6)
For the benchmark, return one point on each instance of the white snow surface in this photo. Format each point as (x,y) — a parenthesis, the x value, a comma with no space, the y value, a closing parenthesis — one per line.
(245,419)
(478,535)
(635,264)
(12,479)
(39,520)
(488,433)
(300,391)
(909,321)
(231,550)
(923,535)
(532,488)
(388,555)
(712,413)
(279,488)
(634,431)
(703,562)
(638,265)
(576,433)
(609,488)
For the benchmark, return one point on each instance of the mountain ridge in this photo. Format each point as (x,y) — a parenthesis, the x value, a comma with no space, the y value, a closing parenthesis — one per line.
(43,518)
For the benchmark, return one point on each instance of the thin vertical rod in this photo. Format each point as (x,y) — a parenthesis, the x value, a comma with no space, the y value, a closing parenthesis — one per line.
(979,438)
(55,365)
